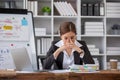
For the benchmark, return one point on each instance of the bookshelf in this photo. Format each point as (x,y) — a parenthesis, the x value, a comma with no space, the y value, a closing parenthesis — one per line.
(102,39)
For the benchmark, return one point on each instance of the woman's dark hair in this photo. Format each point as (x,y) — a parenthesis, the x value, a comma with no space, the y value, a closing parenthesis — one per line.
(67,27)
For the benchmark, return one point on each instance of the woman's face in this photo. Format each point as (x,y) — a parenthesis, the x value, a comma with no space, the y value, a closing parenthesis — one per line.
(68,37)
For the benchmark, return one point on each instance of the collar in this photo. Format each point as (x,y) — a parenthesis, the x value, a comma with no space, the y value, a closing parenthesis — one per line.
(60,43)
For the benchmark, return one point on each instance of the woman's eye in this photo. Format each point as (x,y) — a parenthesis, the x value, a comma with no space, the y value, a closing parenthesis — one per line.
(65,38)
(72,37)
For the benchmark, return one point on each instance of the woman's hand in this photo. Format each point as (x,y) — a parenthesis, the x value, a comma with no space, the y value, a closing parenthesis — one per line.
(62,48)
(75,47)
(70,45)
(66,46)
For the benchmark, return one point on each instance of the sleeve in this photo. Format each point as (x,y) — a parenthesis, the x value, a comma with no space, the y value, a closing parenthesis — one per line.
(87,58)
(49,59)
(82,54)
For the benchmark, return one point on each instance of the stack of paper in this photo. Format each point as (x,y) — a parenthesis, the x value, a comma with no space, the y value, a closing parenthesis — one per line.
(93,50)
(94,28)
(113,9)
(40,31)
(113,50)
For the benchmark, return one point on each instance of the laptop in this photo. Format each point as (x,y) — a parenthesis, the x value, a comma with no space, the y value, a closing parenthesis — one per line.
(21,59)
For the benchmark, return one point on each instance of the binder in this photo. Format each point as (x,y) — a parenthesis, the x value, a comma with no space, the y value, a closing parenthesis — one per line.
(84,9)
(96,9)
(101,9)
(90,9)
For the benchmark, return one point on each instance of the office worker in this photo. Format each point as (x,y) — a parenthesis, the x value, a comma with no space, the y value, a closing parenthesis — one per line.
(68,50)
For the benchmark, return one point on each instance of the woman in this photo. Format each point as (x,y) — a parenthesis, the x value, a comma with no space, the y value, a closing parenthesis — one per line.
(68,50)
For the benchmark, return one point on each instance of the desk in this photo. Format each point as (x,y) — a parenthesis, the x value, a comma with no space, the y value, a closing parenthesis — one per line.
(102,75)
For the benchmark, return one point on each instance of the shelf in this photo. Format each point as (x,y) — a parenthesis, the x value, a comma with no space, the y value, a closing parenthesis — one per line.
(92,35)
(112,35)
(43,36)
(41,16)
(92,16)
(65,16)
(112,55)
(99,54)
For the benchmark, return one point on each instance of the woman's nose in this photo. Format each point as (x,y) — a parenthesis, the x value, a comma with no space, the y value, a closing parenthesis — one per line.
(69,40)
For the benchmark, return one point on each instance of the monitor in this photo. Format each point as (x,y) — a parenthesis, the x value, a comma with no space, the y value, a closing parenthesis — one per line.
(21,59)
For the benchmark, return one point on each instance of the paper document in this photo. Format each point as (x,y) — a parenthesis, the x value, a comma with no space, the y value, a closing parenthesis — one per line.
(59,71)
(6,60)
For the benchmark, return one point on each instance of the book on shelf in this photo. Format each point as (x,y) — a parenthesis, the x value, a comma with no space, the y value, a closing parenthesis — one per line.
(12,4)
(96,9)
(40,31)
(113,48)
(94,29)
(94,50)
(113,11)
(2,5)
(102,9)
(111,52)
(94,23)
(59,9)
(9,4)
(97,32)
(112,4)
(91,46)
(38,47)
(33,6)
(84,9)
(94,53)
(91,33)
(113,8)
(68,9)
(64,8)
(43,45)
(73,11)
(93,26)
(90,9)
(113,14)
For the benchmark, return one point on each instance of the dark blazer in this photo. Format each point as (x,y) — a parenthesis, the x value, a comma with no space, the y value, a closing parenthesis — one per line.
(49,60)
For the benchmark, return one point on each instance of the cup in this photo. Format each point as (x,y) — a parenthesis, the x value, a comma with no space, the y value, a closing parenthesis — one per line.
(113,64)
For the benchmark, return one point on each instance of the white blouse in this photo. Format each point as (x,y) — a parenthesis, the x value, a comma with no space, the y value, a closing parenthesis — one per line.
(68,60)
